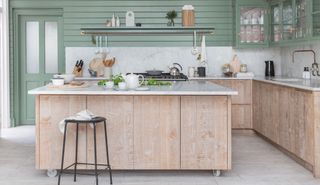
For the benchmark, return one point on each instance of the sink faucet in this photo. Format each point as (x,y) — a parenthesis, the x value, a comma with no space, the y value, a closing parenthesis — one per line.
(315,65)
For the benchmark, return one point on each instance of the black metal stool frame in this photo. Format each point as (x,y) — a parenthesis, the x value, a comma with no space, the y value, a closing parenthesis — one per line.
(93,121)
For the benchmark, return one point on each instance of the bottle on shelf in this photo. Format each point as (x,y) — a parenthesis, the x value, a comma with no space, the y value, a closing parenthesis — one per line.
(306,73)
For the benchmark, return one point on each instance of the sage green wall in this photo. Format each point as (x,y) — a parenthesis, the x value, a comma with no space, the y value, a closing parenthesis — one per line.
(84,13)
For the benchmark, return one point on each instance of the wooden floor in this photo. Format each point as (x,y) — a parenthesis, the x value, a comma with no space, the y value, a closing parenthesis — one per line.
(255,162)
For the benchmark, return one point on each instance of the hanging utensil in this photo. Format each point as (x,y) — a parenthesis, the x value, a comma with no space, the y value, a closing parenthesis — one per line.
(195,50)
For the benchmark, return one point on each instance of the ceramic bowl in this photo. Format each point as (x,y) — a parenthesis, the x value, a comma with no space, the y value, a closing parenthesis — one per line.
(67,77)
(57,81)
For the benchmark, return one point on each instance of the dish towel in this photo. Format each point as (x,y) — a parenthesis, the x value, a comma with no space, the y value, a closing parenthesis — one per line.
(245,75)
(83,115)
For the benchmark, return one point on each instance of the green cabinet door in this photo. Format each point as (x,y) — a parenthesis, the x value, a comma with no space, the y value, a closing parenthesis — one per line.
(315,18)
(40,55)
(251,24)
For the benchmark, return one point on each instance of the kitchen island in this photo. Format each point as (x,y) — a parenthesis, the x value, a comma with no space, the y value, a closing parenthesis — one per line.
(185,126)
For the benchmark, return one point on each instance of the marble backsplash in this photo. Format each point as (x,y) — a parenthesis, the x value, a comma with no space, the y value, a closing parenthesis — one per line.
(140,59)
(295,69)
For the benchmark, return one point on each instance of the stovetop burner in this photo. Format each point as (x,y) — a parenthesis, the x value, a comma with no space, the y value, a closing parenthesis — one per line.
(164,77)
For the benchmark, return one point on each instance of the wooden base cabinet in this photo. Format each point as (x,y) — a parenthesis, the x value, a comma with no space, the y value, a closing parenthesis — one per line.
(144,132)
(50,111)
(119,112)
(287,116)
(157,132)
(205,133)
(241,104)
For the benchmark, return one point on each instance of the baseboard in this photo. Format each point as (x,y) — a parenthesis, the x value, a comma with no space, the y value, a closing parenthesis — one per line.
(286,152)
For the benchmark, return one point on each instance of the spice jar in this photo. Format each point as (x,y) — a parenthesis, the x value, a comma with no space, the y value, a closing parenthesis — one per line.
(243,68)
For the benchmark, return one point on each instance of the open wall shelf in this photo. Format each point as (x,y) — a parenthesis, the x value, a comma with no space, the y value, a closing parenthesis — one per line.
(147,31)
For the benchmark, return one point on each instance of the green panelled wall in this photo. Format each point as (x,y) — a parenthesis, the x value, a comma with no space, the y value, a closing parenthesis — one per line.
(87,13)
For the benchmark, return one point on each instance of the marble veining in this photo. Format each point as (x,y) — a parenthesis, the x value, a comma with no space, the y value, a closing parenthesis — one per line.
(299,83)
(177,88)
(140,59)
(301,59)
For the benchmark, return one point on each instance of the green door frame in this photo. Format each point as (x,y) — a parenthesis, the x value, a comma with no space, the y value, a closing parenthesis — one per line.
(15,74)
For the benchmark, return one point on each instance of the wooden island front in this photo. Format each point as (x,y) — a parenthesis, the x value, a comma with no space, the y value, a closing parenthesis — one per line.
(156,132)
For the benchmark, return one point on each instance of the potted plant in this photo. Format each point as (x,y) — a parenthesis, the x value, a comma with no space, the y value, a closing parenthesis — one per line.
(171,15)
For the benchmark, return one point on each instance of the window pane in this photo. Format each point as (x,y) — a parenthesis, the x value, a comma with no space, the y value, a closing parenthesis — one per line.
(51,47)
(32,44)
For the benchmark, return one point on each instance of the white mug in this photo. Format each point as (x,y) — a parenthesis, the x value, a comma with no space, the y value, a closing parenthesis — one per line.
(122,85)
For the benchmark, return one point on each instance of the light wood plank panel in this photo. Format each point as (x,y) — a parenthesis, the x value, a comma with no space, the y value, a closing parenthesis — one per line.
(225,83)
(118,110)
(302,128)
(256,107)
(244,88)
(241,116)
(37,141)
(284,118)
(157,132)
(316,104)
(204,132)
(53,109)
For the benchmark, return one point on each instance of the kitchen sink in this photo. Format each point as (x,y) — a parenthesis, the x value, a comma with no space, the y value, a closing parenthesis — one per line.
(287,79)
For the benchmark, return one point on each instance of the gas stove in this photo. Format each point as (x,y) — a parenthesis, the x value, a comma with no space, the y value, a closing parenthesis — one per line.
(164,77)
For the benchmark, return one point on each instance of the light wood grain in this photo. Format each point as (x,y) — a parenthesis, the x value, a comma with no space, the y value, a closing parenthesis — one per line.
(37,140)
(156,132)
(205,132)
(53,109)
(144,132)
(286,116)
(118,110)
(242,115)
(316,104)
(256,107)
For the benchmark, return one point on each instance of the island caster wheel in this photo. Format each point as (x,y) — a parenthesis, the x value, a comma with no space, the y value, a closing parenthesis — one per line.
(52,173)
(216,173)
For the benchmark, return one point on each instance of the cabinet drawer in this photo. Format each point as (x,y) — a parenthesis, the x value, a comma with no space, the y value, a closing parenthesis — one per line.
(241,117)
(244,88)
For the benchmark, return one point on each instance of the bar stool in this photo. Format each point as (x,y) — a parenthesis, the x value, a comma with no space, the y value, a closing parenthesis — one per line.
(93,121)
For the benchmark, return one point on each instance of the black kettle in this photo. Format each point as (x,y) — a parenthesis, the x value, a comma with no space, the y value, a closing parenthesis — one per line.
(269,68)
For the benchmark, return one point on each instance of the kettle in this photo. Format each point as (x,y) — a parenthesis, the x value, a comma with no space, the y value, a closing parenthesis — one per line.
(175,70)
(269,69)
(132,80)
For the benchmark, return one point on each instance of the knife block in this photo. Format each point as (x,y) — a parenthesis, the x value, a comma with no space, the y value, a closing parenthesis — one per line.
(76,72)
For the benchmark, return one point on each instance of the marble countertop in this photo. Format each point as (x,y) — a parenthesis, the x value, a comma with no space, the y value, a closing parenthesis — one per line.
(220,77)
(196,88)
(299,83)
(211,77)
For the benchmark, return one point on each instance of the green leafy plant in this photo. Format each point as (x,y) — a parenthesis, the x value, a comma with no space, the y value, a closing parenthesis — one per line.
(171,15)
(153,82)
(117,79)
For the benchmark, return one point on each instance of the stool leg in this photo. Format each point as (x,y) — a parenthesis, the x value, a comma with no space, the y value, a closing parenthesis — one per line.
(107,150)
(76,157)
(63,150)
(95,152)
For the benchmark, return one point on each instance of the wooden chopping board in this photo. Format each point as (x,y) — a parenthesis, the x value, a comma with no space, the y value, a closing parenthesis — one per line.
(235,64)
(68,86)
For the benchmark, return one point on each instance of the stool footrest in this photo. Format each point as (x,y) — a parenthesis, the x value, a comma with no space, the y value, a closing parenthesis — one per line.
(91,164)
(81,173)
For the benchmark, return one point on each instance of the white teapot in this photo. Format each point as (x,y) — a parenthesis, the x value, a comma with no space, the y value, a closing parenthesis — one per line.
(132,80)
